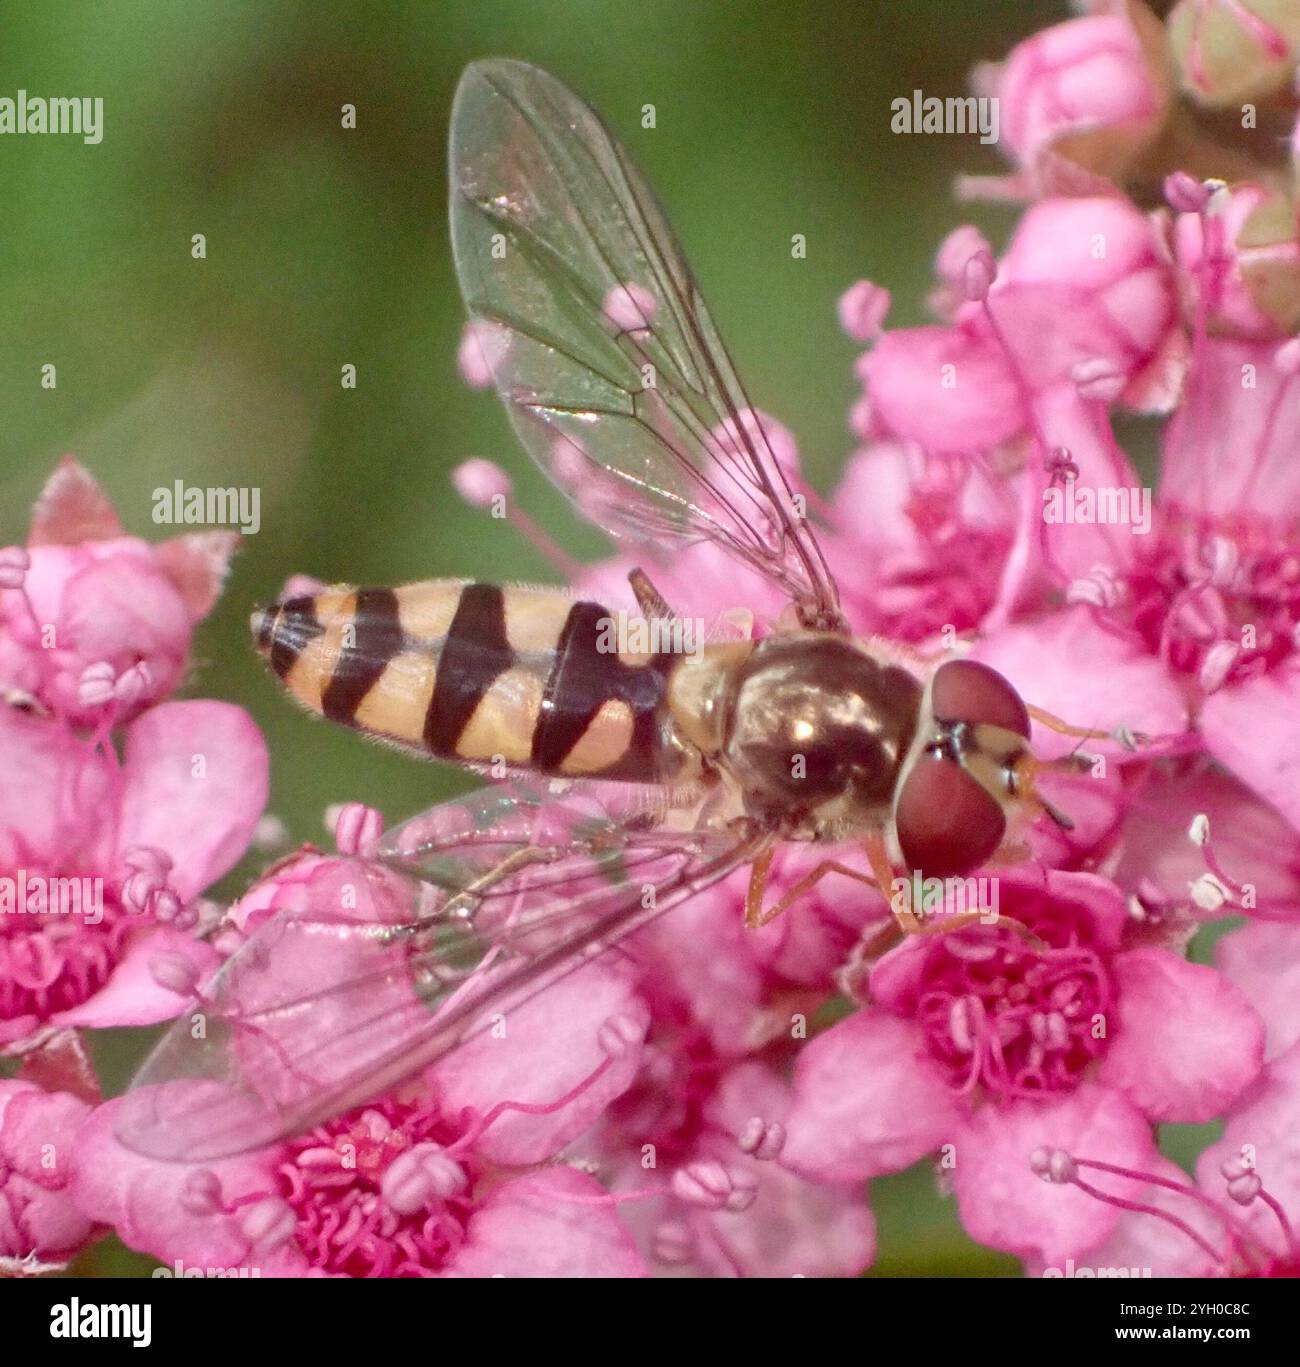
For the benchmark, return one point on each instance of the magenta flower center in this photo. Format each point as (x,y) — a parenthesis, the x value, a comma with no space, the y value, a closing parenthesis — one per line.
(1011,1019)
(1220,608)
(52,961)
(920,595)
(332,1180)
(666,1105)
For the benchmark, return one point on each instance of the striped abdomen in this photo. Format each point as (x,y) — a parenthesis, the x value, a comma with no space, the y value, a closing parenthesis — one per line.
(478,673)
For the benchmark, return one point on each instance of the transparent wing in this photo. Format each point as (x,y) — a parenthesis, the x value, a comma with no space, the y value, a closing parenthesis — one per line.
(385,965)
(611,369)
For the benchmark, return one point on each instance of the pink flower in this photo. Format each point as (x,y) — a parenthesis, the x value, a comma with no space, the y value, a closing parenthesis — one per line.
(1092,93)
(904,568)
(445,1177)
(1198,844)
(1183,612)
(692,1153)
(739,987)
(148,834)
(984,1046)
(95,624)
(1238,1218)
(40,1226)
(1081,298)
(397,1188)
(1206,608)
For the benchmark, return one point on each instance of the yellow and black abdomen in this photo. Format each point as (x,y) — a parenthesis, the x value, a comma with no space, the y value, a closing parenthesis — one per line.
(478,673)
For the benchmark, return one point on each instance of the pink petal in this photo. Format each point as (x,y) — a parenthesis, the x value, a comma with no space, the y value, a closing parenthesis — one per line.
(72,508)
(1230,449)
(867,1100)
(197,563)
(1263,960)
(1085,76)
(196,783)
(142,1198)
(1117,305)
(132,995)
(122,608)
(882,478)
(552,1047)
(46,1223)
(43,763)
(36,1132)
(1250,841)
(551,1223)
(1070,423)
(794,1227)
(1250,728)
(1088,677)
(1185,1042)
(37,1213)
(703,956)
(970,407)
(1005,1204)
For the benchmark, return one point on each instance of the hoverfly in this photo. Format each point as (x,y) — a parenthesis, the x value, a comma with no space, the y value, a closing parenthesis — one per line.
(637,778)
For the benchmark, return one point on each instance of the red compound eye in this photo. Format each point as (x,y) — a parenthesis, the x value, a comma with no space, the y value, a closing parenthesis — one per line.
(964,690)
(947,824)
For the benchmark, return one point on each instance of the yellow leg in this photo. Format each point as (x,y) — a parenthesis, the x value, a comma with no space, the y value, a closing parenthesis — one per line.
(757,886)
(882,879)
(909,655)
(1129,740)
(909,923)
(756,916)
(878,857)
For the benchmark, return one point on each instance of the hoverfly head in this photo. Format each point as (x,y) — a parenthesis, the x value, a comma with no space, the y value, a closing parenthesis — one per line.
(969,767)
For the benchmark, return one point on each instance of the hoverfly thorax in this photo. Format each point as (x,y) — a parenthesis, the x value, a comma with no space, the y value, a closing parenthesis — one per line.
(817,731)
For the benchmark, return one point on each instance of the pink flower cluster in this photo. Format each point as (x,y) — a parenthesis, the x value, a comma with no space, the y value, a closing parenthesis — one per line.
(716,1100)
(118,808)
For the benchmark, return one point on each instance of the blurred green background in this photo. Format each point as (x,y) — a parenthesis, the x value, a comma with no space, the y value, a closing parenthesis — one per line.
(328,246)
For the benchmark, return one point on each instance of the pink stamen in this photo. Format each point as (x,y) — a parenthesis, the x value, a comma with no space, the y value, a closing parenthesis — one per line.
(762,1139)
(1244,1186)
(476,1130)
(356,827)
(483,484)
(1140,1208)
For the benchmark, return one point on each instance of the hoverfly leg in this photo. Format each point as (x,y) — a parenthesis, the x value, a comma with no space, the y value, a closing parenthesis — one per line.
(878,857)
(904,654)
(971,918)
(1121,735)
(649,599)
(756,916)
(909,923)
(464,902)
(758,873)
